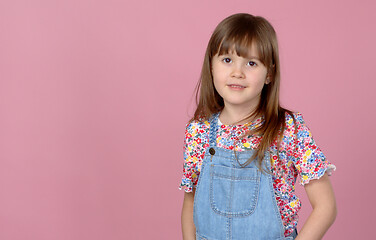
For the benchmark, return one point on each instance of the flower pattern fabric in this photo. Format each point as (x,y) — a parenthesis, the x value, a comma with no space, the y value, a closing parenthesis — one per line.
(298,155)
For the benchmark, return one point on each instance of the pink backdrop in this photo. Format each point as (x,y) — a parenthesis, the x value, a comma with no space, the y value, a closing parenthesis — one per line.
(94,97)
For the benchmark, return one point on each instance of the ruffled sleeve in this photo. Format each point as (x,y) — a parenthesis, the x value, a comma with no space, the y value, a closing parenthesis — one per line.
(195,143)
(308,158)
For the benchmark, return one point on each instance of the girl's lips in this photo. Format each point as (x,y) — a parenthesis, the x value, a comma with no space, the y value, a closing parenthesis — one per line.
(236,86)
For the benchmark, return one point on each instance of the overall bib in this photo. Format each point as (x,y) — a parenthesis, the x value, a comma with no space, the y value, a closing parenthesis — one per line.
(235,202)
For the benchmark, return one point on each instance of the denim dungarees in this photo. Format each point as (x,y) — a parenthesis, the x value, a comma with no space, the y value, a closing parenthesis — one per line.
(232,202)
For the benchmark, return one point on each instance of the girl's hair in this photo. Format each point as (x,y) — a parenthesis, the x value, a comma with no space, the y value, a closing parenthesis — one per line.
(237,32)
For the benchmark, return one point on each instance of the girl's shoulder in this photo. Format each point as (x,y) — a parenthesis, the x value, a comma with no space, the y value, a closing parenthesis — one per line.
(297,130)
(197,128)
(294,120)
(295,126)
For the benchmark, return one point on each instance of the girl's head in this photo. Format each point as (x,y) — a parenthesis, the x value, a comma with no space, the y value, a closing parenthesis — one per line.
(238,34)
(241,34)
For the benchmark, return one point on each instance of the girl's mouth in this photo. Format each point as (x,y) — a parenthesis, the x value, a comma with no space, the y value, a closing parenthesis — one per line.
(235,86)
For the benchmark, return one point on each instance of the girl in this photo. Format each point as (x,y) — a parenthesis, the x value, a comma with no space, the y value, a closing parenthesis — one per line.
(243,151)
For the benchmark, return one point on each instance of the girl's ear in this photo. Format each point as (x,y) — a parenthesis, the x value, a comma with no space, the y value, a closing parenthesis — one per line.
(268,75)
(267,80)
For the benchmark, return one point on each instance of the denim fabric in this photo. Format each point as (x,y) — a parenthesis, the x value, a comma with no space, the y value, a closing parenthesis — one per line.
(235,202)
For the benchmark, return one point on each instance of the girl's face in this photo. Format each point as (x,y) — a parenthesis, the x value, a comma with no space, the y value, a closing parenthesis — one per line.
(238,80)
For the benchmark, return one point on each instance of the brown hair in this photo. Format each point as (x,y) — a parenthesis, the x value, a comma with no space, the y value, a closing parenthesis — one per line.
(238,32)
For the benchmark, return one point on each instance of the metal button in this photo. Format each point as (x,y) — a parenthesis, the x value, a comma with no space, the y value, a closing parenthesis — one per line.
(212,151)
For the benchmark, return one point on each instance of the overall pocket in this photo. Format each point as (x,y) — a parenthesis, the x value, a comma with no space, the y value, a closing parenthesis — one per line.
(234,191)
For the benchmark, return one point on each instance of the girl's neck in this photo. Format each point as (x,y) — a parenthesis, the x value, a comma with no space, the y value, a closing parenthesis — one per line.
(233,116)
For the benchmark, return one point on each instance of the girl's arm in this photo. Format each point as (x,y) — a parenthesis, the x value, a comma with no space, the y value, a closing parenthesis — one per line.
(321,197)
(187,225)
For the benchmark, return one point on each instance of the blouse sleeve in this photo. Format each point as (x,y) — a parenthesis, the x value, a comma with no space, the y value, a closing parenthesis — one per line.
(194,149)
(308,158)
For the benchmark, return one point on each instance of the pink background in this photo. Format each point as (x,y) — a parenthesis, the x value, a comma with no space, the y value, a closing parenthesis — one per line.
(94,97)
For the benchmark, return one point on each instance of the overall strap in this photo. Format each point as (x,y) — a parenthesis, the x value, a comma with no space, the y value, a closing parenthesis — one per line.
(213,130)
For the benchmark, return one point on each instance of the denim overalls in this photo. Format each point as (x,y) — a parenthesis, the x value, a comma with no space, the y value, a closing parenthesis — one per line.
(232,202)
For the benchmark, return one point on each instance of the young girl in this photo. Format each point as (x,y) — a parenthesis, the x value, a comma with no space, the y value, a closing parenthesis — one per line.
(243,151)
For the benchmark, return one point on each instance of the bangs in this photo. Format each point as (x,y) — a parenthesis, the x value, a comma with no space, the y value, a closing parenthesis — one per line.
(241,39)
(242,46)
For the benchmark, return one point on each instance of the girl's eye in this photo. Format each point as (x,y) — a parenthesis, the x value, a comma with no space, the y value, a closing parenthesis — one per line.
(227,60)
(251,63)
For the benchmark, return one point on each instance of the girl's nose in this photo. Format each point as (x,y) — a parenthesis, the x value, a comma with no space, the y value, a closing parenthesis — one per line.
(237,72)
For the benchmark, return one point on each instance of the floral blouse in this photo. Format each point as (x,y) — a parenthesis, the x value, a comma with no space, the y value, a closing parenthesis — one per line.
(298,155)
